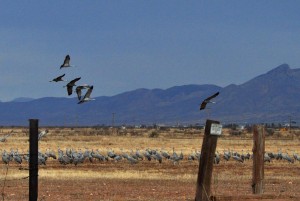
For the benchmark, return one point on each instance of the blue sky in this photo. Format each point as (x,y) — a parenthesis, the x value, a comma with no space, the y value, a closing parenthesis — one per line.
(119,46)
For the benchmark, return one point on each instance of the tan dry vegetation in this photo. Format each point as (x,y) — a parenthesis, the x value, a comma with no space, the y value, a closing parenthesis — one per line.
(147,180)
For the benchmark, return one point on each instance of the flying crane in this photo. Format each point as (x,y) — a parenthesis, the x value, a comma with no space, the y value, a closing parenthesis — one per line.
(208,100)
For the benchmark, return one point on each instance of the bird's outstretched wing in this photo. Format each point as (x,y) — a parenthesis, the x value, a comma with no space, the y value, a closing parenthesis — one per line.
(60,77)
(207,100)
(72,82)
(57,79)
(66,61)
(78,92)
(213,96)
(88,93)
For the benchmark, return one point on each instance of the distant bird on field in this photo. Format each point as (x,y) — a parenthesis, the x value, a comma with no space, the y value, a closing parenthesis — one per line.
(237,158)
(6,157)
(3,139)
(42,134)
(71,84)
(59,78)
(208,100)
(79,88)
(86,97)
(66,62)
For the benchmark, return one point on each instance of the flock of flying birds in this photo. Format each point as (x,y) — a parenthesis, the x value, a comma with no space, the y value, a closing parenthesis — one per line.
(71,84)
(89,88)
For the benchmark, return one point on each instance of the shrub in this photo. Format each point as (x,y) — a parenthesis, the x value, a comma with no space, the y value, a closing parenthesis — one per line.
(134,133)
(235,132)
(270,131)
(249,129)
(153,134)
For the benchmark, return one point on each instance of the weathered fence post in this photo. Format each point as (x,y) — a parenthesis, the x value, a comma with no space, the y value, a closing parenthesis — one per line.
(258,159)
(212,130)
(33,159)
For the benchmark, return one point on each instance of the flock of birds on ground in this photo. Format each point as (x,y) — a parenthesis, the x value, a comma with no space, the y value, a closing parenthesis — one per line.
(72,83)
(72,156)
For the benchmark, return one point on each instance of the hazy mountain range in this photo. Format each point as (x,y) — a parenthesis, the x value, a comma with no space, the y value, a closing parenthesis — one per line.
(270,97)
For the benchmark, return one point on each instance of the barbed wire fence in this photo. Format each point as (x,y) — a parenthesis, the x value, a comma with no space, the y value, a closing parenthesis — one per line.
(14,186)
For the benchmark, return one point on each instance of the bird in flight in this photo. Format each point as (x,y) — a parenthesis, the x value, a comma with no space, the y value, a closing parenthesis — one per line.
(87,95)
(71,84)
(208,100)
(66,62)
(79,88)
(59,78)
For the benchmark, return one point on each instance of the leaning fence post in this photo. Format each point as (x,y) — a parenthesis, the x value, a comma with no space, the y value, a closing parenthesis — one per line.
(33,159)
(212,130)
(258,159)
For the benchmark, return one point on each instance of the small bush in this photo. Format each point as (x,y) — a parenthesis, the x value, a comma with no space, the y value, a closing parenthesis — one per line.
(153,134)
(122,132)
(270,131)
(278,134)
(249,129)
(134,133)
(235,132)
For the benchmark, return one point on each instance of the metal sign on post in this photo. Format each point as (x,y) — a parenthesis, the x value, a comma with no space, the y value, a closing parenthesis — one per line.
(216,129)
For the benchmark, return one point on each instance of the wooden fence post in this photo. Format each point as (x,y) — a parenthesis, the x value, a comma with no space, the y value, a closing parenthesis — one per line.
(206,163)
(258,159)
(33,159)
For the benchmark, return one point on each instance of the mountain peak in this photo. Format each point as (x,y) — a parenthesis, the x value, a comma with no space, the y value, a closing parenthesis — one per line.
(22,99)
(283,68)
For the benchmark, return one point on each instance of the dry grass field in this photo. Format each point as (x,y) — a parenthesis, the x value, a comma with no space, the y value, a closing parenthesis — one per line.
(146,180)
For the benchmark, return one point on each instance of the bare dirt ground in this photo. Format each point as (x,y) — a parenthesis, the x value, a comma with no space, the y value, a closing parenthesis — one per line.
(146,180)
